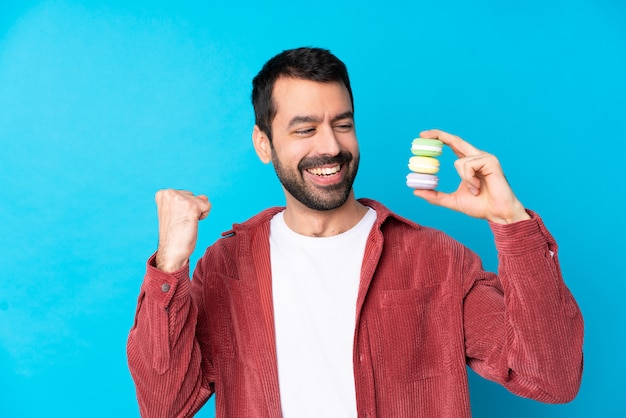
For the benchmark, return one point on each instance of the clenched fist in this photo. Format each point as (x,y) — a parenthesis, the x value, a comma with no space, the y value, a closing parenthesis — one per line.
(178,212)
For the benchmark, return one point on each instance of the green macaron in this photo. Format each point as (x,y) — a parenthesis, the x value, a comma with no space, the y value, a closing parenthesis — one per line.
(426,147)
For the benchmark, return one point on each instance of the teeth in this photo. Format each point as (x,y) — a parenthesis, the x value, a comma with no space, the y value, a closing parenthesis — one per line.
(326,171)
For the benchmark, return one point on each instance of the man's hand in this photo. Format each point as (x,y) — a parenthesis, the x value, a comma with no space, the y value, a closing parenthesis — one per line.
(483,192)
(178,212)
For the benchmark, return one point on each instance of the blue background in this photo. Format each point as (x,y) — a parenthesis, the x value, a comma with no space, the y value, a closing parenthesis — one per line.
(102,103)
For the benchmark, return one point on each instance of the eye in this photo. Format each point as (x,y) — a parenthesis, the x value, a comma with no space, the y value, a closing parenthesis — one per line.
(344,127)
(305,131)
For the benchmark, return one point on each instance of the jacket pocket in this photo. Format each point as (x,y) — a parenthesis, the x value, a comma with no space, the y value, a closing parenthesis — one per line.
(413,328)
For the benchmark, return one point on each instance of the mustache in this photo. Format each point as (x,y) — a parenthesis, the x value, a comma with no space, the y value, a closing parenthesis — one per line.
(341,158)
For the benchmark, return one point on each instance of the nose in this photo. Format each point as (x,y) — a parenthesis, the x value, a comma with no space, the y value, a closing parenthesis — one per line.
(327,142)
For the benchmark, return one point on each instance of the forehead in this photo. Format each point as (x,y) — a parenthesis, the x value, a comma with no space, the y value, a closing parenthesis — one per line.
(294,96)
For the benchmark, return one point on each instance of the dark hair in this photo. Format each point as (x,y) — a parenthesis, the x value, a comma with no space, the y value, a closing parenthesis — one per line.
(315,64)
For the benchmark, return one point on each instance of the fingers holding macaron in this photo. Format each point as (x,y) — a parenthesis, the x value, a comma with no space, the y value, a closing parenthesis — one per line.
(460,147)
(472,163)
(483,192)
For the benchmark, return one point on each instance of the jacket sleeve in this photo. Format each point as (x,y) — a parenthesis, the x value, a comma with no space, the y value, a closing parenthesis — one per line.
(523,328)
(164,355)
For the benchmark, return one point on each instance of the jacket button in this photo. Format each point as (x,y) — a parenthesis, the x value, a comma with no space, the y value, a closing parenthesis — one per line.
(165,287)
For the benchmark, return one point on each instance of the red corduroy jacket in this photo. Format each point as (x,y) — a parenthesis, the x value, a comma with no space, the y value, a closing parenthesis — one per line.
(425,309)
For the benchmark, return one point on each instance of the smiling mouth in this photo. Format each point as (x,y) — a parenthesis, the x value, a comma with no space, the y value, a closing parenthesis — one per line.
(324,171)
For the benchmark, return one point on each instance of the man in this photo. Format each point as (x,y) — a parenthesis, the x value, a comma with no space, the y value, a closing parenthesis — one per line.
(334,306)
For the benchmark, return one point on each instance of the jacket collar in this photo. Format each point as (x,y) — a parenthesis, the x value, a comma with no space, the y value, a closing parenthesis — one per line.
(382,214)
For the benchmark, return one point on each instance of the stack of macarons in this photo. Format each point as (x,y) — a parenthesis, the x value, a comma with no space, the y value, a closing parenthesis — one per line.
(423,164)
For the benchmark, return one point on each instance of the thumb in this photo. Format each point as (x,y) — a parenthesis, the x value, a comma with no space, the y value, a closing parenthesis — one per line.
(435,197)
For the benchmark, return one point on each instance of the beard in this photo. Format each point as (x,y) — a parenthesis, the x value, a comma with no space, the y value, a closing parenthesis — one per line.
(316,197)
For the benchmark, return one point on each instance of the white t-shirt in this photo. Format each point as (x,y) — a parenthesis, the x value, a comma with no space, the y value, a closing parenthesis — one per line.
(315,281)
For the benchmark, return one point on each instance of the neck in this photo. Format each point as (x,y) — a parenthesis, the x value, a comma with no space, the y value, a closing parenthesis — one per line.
(315,223)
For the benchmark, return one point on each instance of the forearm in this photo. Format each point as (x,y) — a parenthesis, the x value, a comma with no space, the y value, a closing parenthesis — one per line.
(163,355)
(537,350)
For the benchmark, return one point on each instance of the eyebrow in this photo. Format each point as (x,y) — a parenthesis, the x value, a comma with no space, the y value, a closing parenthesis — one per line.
(296,120)
(345,115)
(308,118)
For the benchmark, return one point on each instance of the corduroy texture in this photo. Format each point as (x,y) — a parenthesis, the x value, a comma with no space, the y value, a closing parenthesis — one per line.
(425,309)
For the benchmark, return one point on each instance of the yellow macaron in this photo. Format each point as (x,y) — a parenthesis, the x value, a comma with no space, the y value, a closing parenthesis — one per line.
(426,165)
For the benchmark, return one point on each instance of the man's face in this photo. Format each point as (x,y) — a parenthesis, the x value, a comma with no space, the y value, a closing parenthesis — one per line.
(314,147)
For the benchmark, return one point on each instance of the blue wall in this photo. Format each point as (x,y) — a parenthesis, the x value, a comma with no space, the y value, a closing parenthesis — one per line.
(102,103)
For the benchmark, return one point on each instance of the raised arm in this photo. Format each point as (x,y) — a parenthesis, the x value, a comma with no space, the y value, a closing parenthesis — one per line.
(163,353)
(523,328)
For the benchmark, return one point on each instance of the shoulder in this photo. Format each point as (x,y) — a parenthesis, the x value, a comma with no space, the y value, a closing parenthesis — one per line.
(258,221)
(398,230)
(224,251)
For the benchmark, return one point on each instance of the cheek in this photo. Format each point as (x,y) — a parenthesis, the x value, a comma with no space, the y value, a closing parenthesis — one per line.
(292,155)
(349,142)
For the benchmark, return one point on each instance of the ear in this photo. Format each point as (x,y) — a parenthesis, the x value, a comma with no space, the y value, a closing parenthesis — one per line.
(262,145)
